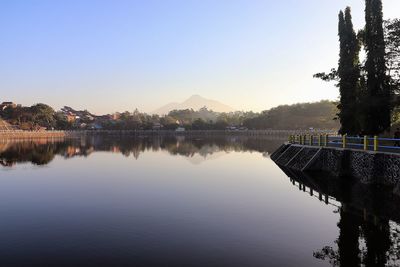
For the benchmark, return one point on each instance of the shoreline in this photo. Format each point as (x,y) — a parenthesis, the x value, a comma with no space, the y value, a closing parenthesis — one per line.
(281,134)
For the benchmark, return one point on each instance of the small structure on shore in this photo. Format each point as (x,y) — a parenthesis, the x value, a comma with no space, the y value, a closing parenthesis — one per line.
(5,126)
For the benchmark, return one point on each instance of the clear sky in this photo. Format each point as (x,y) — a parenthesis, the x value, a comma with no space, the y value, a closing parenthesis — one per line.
(117,55)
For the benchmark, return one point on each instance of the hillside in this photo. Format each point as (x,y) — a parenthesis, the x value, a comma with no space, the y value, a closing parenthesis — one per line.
(298,116)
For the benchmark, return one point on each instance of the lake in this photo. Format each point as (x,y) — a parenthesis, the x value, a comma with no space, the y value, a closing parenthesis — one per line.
(175,201)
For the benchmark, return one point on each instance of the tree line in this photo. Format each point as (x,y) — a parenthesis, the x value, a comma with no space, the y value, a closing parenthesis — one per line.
(289,117)
(369,88)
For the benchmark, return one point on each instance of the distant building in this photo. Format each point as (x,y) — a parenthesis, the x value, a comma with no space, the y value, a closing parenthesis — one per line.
(232,128)
(180,129)
(95,126)
(157,126)
(115,116)
(5,105)
(71,118)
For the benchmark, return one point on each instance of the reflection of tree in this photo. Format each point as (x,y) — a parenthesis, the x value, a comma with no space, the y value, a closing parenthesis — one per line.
(38,154)
(348,239)
(41,153)
(378,243)
(394,250)
(363,243)
(348,253)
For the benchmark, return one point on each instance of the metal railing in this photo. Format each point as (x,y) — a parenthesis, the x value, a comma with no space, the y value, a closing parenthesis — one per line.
(366,143)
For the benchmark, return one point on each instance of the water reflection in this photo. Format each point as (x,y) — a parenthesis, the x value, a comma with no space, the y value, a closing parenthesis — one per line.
(100,208)
(44,151)
(369,228)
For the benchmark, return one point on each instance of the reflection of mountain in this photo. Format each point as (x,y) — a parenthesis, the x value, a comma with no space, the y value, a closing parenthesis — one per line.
(369,229)
(205,153)
(197,159)
(195,150)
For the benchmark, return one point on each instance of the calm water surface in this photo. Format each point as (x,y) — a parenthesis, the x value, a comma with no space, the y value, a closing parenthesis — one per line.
(183,202)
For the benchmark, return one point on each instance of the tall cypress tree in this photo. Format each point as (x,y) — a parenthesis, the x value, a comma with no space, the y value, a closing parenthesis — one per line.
(376,106)
(349,75)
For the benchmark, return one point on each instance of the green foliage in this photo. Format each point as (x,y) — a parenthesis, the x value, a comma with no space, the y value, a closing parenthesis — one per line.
(61,121)
(376,104)
(30,118)
(205,119)
(200,124)
(392,41)
(43,115)
(131,121)
(328,77)
(188,116)
(349,76)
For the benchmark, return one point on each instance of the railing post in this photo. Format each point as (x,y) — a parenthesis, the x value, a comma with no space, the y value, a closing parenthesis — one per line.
(344,140)
(376,145)
(319,140)
(326,141)
(311,140)
(365,142)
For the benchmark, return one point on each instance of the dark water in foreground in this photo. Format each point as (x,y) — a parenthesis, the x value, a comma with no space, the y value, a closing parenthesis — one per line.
(182,202)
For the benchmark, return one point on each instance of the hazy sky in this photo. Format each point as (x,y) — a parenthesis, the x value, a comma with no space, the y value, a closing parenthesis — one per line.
(117,55)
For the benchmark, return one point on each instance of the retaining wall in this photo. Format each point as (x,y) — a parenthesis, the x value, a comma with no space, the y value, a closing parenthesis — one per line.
(7,135)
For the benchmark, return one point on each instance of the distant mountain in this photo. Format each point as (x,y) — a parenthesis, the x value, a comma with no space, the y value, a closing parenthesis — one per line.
(195,102)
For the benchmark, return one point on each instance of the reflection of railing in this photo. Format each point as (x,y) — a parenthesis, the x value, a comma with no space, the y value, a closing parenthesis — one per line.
(356,142)
(328,200)
(367,213)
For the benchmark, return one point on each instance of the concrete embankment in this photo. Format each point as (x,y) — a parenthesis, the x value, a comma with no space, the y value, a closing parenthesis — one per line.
(368,167)
(18,135)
